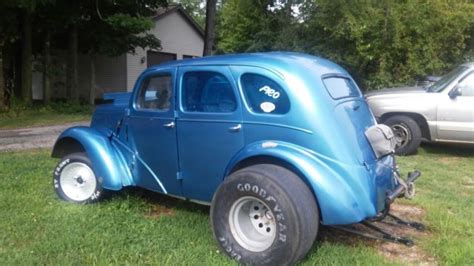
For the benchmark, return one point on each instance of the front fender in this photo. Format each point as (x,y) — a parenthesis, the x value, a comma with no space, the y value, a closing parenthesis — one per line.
(107,162)
(343,196)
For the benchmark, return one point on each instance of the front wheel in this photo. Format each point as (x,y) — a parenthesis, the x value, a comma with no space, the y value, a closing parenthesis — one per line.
(407,134)
(264,214)
(74,179)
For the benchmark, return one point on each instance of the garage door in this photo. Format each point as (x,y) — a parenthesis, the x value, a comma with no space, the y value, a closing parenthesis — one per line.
(155,58)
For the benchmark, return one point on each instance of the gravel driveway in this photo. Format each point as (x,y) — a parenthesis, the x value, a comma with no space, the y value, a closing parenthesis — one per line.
(34,137)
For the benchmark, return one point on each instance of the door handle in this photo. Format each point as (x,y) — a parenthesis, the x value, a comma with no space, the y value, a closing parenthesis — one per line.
(169,125)
(235,128)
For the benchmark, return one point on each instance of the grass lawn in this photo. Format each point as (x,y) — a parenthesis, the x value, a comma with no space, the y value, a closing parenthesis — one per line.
(19,117)
(137,227)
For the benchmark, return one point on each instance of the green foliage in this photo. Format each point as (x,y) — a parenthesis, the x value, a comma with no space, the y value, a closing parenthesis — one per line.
(196,8)
(244,26)
(385,42)
(381,42)
(116,27)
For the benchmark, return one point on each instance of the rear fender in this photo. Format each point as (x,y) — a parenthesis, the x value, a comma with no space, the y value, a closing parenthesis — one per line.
(107,162)
(340,199)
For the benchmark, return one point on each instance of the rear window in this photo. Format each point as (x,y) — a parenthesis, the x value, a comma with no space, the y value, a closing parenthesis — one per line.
(340,87)
(264,95)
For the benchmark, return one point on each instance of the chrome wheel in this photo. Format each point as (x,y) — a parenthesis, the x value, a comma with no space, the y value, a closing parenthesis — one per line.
(402,135)
(252,224)
(77,181)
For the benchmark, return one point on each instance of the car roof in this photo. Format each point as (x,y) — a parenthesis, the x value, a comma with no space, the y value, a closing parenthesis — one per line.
(271,60)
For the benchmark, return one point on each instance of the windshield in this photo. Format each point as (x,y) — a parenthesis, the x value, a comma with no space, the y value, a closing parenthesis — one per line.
(439,85)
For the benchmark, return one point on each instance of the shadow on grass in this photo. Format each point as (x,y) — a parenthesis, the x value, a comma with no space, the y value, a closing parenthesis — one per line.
(454,149)
(165,203)
(161,205)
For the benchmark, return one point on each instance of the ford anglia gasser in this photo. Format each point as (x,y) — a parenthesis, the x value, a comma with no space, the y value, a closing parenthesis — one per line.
(276,143)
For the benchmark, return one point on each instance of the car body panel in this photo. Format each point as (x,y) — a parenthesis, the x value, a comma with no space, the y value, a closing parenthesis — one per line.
(207,142)
(345,192)
(320,135)
(147,135)
(108,163)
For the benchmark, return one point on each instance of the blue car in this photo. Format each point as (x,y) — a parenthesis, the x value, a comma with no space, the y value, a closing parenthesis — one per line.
(275,143)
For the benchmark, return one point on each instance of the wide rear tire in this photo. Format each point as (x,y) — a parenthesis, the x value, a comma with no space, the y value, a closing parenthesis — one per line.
(265,214)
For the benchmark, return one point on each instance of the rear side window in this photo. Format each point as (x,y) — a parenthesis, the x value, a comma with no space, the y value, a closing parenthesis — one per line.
(340,87)
(206,91)
(264,95)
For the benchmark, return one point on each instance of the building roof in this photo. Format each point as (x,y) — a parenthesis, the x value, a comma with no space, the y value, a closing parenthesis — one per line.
(171,8)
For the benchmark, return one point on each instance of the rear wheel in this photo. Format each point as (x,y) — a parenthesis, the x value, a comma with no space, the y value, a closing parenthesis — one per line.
(407,134)
(75,181)
(264,214)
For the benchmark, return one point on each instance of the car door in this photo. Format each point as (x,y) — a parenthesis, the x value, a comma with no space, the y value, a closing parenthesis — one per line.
(209,126)
(456,112)
(152,131)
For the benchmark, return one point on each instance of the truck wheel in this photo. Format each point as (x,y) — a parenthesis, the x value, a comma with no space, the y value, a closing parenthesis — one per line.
(74,179)
(407,133)
(264,214)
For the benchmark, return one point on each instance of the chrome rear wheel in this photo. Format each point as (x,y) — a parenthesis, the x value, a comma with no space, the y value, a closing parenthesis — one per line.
(252,224)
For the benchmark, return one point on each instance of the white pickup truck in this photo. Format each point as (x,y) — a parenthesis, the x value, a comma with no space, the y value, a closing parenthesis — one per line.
(442,112)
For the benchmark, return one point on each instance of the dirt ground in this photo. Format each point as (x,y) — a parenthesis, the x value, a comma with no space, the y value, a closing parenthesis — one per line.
(413,255)
(34,137)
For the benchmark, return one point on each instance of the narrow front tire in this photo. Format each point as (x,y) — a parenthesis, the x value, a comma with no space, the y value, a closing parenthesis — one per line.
(75,181)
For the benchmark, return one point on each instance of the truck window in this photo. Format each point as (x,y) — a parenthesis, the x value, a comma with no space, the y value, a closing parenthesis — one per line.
(340,87)
(207,91)
(264,95)
(155,93)
(467,85)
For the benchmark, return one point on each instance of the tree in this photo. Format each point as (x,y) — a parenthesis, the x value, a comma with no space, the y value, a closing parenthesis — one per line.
(196,8)
(112,30)
(387,42)
(381,43)
(8,33)
(210,34)
(244,26)
(263,25)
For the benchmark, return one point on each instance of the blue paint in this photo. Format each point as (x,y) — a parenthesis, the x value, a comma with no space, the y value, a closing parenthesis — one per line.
(188,153)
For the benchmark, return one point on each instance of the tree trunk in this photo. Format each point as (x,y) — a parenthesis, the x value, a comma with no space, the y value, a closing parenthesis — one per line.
(26,59)
(46,71)
(2,80)
(93,80)
(72,68)
(210,34)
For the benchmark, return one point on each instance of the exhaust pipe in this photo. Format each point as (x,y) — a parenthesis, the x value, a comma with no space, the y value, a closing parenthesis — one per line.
(407,187)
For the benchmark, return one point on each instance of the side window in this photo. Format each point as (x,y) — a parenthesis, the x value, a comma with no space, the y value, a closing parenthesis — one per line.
(156,93)
(467,85)
(264,95)
(206,91)
(339,87)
